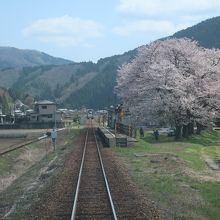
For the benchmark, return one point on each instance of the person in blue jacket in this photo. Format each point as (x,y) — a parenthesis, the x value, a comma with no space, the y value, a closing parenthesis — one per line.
(141,132)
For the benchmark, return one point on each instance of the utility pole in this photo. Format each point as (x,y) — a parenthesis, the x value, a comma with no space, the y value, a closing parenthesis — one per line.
(55,121)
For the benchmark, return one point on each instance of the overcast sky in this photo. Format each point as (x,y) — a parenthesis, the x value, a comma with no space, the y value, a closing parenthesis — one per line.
(87,30)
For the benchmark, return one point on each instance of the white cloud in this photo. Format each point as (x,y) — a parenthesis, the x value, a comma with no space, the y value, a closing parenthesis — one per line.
(64,31)
(162,7)
(162,18)
(137,7)
(149,26)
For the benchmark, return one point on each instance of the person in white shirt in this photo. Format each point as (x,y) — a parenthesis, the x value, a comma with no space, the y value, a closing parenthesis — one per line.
(54,137)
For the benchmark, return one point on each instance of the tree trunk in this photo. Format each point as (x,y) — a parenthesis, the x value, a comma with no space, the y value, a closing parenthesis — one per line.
(191,128)
(178,133)
(200,127)
(186,131)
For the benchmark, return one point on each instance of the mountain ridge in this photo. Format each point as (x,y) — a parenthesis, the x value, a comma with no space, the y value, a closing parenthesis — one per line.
(91,84)
(206,33)
(12,57)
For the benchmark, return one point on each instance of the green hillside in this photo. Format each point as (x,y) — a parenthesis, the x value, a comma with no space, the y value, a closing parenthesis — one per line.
(99,92)
(73,85)
(207,33)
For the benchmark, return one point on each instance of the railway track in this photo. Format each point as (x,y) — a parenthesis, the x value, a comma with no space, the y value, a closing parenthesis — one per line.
(79,191)
(92,197)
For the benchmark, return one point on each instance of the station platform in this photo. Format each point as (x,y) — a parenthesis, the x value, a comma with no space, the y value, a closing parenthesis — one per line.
(111,139)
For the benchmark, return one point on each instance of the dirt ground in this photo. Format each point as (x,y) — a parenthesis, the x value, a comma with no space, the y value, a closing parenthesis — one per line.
(12,137)
(28,168)
(9,142)
(23,161)
(15,166)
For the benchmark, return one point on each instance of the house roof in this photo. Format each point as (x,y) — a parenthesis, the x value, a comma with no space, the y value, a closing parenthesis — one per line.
(45,102)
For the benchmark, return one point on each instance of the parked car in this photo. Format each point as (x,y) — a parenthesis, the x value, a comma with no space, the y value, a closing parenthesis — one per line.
(171,132)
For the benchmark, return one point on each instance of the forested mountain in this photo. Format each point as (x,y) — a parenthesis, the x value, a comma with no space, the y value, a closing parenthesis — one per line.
(81,84)
(72,85)
(207,33)
(98,92)
(11,57)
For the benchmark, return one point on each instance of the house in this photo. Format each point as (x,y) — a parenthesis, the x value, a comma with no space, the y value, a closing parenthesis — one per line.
(45,111)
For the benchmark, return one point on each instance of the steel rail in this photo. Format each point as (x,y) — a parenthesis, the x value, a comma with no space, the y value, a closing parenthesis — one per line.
(79,179)
(104,175)
(105,178)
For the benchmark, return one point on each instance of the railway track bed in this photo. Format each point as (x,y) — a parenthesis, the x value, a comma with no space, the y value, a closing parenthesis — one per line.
(55,201)
(92,202)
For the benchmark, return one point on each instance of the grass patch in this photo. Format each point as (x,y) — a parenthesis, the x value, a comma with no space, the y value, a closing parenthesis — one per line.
(210,192)
(207,138)
(161,173)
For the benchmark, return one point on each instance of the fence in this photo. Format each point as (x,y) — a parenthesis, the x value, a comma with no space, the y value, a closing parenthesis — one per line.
(126,129)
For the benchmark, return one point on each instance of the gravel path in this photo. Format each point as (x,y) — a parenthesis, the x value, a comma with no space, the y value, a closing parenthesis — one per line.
(129,200)
(56,200)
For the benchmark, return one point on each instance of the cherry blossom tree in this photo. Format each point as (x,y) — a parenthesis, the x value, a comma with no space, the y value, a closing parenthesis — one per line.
(173,82)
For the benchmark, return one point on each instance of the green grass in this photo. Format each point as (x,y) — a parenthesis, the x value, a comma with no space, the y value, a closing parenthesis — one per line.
(211,193)
(185,196)
(207,138)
